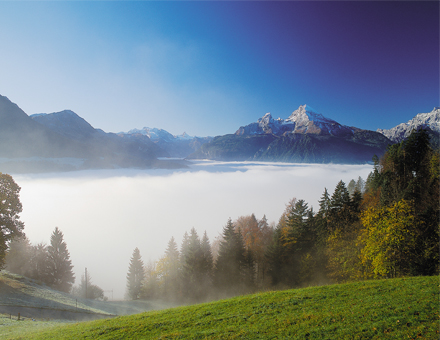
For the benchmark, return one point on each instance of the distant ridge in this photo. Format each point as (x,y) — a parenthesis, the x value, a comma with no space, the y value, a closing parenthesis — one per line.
(429,121)
(305,136)
(63,141)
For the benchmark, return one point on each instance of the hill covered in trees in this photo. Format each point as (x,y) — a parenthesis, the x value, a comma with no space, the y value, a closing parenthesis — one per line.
(385,227)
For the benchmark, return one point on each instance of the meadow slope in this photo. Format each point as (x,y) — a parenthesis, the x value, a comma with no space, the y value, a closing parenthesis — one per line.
(404,308)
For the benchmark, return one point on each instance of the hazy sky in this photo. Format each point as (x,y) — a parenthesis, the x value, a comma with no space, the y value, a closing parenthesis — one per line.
(209,67)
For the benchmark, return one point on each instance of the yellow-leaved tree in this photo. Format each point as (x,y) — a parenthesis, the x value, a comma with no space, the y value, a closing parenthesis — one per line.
(389,239)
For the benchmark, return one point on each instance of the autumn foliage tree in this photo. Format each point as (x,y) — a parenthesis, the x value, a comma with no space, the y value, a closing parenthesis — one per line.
(390,239)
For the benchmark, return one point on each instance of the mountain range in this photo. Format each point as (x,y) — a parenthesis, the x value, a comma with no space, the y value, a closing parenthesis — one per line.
(64,141)
(308,136)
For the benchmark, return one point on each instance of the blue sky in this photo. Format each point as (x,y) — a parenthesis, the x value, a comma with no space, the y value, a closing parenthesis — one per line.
(209,67)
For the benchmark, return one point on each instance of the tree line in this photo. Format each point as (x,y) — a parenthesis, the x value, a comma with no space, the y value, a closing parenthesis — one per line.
(386,226)
(48,264)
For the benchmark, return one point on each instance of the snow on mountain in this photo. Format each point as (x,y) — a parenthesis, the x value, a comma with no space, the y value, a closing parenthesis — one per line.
(430,120)
(302,120)
(184,136)
(152,133)
(155,134)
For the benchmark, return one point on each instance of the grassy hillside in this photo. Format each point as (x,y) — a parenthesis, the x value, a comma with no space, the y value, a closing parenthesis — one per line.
(406,308)
(19,294)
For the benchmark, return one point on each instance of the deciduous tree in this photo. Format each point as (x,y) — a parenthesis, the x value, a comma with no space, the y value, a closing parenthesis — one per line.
(10,209)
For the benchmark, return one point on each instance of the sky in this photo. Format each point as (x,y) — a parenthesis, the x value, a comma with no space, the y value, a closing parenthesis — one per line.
(105,214)
(209,67)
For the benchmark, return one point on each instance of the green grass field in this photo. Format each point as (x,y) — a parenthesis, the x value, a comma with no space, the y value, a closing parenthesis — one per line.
(406,308)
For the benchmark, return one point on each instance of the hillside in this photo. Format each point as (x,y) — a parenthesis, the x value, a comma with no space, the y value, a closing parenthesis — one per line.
(19,294)
(405,308)
(296,148)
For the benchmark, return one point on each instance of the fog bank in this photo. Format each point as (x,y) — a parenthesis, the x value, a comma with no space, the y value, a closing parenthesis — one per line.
(105,214)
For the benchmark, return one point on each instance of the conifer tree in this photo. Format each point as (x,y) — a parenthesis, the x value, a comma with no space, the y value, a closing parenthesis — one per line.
(323,213)
(340,212)
(262,264)
(191,270)
(276,258)
(207,263)
(60,265)
(135,275)
(230,261)
(184,249)
(171,271)
(40,264)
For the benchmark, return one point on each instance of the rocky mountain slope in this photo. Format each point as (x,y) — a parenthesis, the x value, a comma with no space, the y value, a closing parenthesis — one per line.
(305,136)
(429,121)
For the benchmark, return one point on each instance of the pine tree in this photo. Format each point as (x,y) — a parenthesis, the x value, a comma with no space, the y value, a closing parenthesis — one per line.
(207,264)
(262,264)
(184,249)
(301,240)
(40,264)
(360,185)
(276,258)
(351,187)
(135,275)
(228,268)
(171,271)
(191,270)
(340,212)
(60,265)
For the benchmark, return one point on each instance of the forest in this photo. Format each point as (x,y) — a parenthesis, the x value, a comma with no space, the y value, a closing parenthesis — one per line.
(384,227)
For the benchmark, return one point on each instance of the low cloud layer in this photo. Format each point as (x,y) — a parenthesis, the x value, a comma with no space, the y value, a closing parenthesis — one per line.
(105,214)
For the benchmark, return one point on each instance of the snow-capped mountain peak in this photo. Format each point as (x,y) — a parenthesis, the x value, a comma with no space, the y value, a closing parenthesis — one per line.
(156,134)
(305,114)
(302,120)
(183,136)
(152,133)
(429,120)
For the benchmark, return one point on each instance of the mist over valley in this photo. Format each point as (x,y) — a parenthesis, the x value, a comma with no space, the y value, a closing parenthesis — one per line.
(105,214)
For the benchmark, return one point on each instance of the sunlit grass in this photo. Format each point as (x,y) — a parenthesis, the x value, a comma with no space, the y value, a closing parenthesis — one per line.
(406,308)
(11,327)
